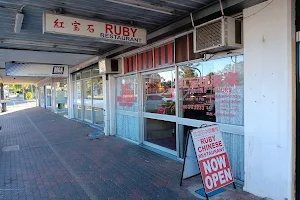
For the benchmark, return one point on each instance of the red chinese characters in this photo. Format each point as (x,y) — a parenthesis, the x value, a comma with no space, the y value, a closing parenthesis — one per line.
(90,28)
(216,80)
(231,78)
(58,24)
(76,26)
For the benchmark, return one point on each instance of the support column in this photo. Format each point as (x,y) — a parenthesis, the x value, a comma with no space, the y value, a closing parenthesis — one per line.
(105,79)
(23,91)
(70,100)
(3,104)
(270,82)
(31,90)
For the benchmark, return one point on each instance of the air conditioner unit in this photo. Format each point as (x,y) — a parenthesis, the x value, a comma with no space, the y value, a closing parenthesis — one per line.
(109,66)
(224,33)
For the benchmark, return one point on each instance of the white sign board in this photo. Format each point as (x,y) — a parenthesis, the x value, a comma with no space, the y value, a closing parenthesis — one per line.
(61,24)
(191,167)
(212,157)
(39,70)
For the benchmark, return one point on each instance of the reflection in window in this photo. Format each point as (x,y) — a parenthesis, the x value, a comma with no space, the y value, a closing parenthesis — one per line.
(97,88)
(86,74)
(159,92)
(87,100)
(95,71)
(77,93)
(162,133)
(213,90)
(98,111)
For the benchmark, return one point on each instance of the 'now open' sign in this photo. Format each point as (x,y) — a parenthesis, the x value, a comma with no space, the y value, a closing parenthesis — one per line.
(212,158)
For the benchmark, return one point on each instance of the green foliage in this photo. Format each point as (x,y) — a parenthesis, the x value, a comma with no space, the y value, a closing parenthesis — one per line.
(16,88)
(28,96)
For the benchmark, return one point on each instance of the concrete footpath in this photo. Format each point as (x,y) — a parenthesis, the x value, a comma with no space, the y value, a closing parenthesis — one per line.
(46,156)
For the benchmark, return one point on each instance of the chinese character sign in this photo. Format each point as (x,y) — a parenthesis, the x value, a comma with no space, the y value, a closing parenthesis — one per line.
(61,24)
(212,158)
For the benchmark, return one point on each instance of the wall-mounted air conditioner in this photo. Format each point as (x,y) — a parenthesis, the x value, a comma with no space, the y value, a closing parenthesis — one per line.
(224,33)
(109,66)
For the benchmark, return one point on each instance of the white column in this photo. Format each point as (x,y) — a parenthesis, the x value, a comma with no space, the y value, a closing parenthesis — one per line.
(23,91)
(53,94)
(70,96)
(269,49)
(106,105)
(112,104)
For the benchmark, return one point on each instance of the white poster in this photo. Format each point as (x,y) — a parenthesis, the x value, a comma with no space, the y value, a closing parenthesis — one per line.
(61,24)
(191,167)
(33,69)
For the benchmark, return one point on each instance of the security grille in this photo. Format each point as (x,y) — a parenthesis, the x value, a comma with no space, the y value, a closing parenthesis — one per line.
(209,36)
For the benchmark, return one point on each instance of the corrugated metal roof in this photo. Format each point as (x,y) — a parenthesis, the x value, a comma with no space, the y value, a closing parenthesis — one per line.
(31,36)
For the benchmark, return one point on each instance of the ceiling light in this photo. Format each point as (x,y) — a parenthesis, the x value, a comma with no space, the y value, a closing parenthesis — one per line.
(18,22)
(144,5)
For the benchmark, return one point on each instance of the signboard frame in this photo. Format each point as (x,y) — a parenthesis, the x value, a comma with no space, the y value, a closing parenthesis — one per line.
(190,141)
(17,69)
(98,29)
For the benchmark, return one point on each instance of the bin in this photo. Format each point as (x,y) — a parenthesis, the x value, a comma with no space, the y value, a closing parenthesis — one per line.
(3,107)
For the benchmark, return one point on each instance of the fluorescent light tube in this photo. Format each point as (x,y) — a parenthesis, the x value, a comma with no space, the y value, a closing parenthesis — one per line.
(19,22)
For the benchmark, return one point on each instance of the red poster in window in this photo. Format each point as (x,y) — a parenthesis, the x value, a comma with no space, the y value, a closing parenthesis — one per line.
(127,97)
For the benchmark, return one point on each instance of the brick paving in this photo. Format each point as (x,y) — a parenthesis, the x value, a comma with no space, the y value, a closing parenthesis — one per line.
(57,160)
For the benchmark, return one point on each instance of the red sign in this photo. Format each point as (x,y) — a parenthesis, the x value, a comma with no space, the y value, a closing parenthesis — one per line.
(212,158)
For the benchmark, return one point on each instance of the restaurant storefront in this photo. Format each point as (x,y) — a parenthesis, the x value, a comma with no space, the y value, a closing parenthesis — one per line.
(168,90)
(165,89)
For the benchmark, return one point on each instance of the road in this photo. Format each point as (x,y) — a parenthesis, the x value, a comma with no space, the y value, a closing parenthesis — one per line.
(16,105)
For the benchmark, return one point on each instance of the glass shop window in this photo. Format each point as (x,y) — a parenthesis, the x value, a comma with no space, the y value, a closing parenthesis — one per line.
(213,90)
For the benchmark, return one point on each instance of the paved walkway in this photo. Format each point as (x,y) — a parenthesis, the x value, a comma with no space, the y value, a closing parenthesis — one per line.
(56,160)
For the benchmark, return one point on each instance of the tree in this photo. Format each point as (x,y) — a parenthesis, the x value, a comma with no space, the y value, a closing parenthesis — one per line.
(189,72)
(16,88)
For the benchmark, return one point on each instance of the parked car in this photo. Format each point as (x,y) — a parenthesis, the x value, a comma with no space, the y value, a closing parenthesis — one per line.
(156,102)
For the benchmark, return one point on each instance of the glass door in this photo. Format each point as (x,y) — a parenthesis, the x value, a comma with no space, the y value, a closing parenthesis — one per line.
(98,102)
(42,96)
(87,100)
(48,97)
(159,109)
(77,100)
(61,97)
